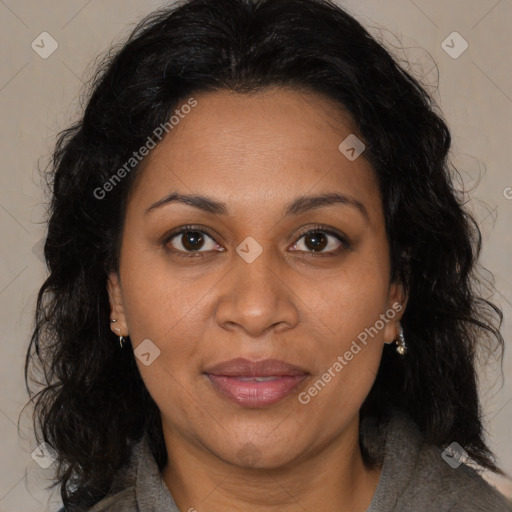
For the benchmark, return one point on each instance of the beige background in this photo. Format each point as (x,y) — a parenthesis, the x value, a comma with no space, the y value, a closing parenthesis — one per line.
(38,98)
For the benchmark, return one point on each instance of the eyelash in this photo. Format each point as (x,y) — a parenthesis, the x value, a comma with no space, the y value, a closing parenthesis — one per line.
(318,228)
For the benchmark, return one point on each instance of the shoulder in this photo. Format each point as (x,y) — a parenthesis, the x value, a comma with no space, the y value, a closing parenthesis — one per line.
(123,501)
(434,481)
(138,486)
(122,496)
(456,488)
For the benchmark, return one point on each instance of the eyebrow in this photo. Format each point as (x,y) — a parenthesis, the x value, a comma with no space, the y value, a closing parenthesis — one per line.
(299,205)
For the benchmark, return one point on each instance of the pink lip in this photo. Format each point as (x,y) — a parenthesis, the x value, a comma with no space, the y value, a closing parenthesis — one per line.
(241,367)
(226,378)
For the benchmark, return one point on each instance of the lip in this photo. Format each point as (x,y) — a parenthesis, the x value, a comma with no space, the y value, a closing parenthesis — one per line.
(241,367)
(226,378)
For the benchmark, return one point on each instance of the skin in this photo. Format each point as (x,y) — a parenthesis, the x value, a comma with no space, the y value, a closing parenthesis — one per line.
(257,153)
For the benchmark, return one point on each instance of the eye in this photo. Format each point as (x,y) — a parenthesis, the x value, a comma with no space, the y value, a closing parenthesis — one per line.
(321,240)
(189,240)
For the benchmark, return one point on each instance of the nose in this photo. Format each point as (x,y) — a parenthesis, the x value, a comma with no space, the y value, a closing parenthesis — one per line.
(257,297)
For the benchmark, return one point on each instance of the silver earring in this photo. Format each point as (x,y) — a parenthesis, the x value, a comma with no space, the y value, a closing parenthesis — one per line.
(401,346)
(122,340)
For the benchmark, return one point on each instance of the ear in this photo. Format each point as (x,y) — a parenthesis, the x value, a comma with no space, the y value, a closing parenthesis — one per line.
(119,327)
(397,301)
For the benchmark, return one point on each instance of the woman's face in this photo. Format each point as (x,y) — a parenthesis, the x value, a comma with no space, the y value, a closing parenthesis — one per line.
(246,282)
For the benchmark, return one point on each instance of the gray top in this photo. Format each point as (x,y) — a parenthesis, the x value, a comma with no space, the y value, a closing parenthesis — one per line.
(414,477)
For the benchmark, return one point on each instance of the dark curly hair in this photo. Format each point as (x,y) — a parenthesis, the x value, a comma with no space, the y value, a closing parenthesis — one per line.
(93,405)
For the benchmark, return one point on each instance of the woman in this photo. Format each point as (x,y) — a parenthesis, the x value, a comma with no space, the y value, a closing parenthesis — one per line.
(262,291)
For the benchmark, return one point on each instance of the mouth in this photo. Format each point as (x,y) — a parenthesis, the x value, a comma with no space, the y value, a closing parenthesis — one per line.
(255,383)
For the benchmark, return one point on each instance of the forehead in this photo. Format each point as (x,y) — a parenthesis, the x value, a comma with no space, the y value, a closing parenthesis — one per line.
(250,150)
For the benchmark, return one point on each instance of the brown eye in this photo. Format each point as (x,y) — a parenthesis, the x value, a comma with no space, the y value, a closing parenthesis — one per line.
(191,240)
(320,241)
(316,241)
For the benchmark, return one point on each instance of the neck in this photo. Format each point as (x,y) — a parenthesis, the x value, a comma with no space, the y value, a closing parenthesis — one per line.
(332,476)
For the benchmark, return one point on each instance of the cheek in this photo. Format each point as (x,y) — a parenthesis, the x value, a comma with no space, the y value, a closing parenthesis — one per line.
(349,300)
(158,297)
(350,349)
(169,308)
(345,311)
(163,309)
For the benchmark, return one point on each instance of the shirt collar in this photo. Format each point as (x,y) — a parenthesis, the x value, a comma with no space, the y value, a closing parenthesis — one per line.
(150,490)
